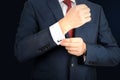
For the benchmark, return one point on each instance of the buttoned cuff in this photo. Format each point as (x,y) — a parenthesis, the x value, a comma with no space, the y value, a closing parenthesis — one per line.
(56,33)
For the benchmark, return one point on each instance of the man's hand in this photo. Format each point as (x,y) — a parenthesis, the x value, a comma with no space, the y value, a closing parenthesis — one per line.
(74,46)
(75,17)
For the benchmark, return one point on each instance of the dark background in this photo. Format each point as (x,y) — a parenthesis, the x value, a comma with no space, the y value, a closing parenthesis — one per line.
(12,69)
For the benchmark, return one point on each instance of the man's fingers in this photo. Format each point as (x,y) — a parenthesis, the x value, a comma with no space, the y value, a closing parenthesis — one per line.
(74,46)
(72,40)
(70,44)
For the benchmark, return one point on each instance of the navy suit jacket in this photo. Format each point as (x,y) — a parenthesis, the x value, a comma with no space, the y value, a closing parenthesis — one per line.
(53,62)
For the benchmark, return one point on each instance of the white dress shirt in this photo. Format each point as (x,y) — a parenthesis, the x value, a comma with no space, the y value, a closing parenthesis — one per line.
(55,29)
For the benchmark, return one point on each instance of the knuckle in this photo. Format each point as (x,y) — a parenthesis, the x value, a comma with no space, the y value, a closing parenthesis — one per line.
(69,51)
(88,9)
(89,14)
(84,5)
(81,39)
(89,19)
(66,48)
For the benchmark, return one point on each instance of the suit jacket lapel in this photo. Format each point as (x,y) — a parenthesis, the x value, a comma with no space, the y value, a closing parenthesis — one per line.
(57,11)
(55,8)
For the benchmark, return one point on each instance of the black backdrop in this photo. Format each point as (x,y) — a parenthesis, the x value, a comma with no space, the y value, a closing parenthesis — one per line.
(12,69)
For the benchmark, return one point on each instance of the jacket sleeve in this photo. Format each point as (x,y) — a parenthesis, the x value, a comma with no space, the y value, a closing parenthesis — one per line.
(31,41)
(106,52)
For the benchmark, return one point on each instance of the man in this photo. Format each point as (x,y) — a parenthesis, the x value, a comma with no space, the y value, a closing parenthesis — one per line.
(43,36)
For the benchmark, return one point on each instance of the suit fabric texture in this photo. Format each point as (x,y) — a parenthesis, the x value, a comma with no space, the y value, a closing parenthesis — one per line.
(52,62)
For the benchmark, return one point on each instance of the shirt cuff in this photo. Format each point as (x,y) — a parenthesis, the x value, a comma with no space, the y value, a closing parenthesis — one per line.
(56,33)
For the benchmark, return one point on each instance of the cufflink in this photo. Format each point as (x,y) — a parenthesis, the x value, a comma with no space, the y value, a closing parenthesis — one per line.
(59,40)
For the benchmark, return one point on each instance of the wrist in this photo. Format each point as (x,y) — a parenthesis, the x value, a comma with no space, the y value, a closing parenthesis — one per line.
(65,27)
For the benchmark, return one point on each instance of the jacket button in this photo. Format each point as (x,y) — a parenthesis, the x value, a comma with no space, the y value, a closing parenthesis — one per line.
(59,40)
(72,65)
